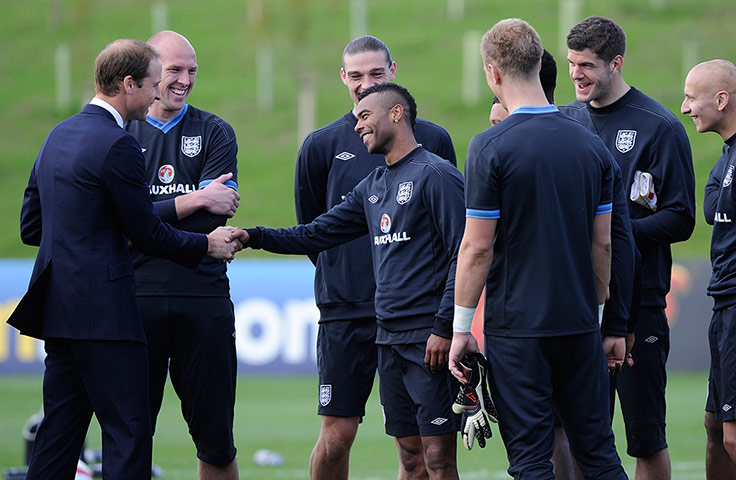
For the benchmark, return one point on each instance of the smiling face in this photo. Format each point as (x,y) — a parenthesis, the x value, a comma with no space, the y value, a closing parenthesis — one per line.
(701,101)
(592,76)
(141,98)
(178,75)
(375,124)
(365,69)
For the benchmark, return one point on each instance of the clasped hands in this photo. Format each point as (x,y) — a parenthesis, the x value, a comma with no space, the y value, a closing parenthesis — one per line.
(225,242)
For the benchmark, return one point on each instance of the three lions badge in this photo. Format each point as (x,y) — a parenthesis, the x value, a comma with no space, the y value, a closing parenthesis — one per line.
(191,146)
(325,394)
(404,193)
(625,140)
(729,177)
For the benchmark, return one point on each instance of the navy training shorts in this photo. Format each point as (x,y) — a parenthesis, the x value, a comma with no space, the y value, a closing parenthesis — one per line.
(193,340)
(347,362)
(414,400)
(721,380)
(641,388)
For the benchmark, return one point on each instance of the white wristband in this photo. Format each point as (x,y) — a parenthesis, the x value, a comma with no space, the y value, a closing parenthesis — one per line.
(600,313)
(463,319)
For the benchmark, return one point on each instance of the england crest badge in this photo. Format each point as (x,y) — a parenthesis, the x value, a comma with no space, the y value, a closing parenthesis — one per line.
(191,146)
(325,394)
(404,193)
(625,140)
(729,177)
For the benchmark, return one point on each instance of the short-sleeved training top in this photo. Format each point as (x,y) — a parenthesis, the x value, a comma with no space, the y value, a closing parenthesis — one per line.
(183,155)
(544,177)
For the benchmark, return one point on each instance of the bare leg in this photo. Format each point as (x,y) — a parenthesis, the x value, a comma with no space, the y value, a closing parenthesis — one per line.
(213,472)
(656,467)
(440,456)
(563,462)
(330,458)
(729,439)
(718,463)
(411,458)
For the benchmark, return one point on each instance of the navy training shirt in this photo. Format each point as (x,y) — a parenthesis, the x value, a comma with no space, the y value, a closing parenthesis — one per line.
(413,213)
(617,319)
(720,211)
(183,155)
(645,136)
(544,177)
(330,163)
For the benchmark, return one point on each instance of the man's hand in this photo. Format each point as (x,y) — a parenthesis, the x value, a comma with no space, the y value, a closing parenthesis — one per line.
(628,359)
(435,355)
(219,199)
(462,343)
(615,349)
(225,242)
(474,402)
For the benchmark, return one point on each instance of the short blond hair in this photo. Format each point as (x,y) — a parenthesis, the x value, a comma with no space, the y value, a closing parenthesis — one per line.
(512,46)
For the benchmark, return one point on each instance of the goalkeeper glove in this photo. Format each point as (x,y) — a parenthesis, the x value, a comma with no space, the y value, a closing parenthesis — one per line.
(474,402)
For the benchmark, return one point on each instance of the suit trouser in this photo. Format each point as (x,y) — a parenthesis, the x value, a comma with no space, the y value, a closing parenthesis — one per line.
(109,379)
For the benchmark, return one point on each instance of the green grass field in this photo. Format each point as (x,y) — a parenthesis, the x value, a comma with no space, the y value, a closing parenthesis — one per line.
(278,413)
(307,38)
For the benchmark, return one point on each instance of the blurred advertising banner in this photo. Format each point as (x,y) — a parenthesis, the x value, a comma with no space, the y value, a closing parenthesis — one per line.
(276,318)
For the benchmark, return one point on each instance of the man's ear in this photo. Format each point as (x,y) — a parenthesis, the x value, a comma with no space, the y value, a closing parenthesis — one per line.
(392,72)
(128,84)
(493,75)
(343,76)
(722,99)
(397,113)
(617,64)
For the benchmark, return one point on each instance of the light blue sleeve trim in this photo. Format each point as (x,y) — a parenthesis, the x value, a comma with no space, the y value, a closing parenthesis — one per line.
(482,214)
(229,183)
(605,208)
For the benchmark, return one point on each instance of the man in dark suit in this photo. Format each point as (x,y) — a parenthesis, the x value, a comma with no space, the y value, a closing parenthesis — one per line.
(85,201)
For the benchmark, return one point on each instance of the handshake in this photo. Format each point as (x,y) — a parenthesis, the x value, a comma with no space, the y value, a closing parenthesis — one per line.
(224,242)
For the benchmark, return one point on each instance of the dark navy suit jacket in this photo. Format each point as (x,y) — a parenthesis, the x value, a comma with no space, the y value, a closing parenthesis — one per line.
(86,197)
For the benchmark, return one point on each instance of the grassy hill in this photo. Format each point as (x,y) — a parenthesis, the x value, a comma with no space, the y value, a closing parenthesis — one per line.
(307,38)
